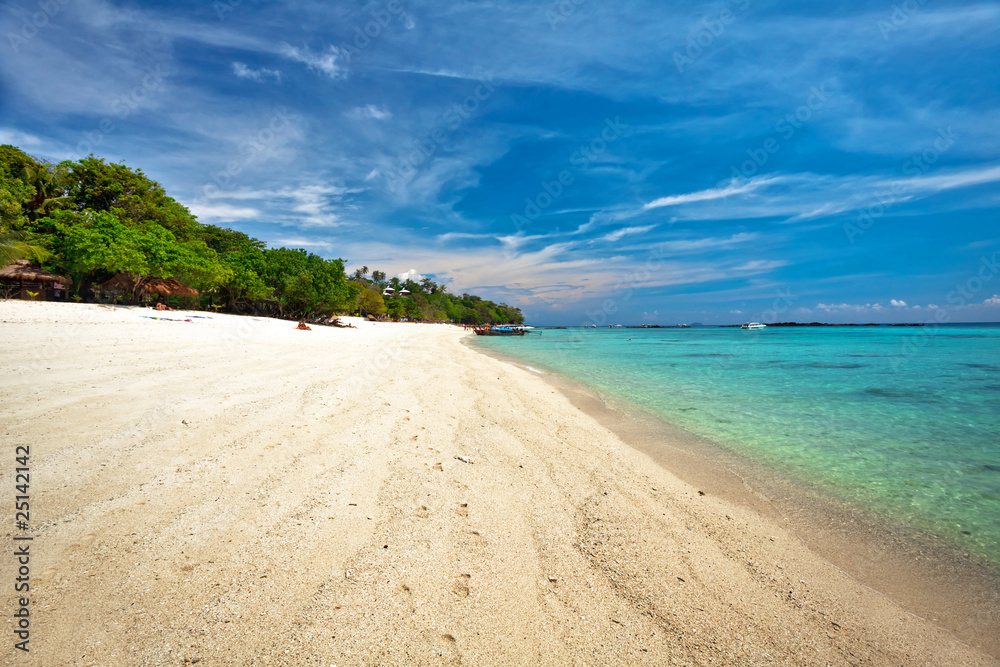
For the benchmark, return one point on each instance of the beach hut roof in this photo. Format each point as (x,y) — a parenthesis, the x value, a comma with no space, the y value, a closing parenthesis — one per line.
(168,287)
(22,270)
(125,282)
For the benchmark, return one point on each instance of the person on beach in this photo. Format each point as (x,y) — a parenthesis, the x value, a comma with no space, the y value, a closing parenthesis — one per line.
(303,326)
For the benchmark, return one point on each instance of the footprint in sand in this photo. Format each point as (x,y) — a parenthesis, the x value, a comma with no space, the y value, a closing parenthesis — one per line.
(461,587)
(423,512)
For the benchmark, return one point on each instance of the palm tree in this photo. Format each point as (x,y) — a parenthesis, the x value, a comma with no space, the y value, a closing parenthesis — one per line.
(50,188)
(14,245)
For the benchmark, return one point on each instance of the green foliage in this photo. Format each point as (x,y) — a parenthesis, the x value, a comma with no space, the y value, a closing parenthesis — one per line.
(370,302)
(92,219)
(14,194)
(428,300)
(37,186)
(97,185)
(305,283)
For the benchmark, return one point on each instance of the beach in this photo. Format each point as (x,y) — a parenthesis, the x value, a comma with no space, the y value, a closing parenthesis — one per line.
(231,491)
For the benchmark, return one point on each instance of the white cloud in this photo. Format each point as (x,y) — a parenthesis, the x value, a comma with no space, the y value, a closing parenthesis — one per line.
(325,62)
(993,300)
(950,181)
(310,204)
(18,138)
(898,303)
(706,243)
(808,196)
(736,312)
(223,212)
(370,111)
(761,265)
(713,193)
(300,242)
(411,275)
(242,71)
(858,308)
(625,231)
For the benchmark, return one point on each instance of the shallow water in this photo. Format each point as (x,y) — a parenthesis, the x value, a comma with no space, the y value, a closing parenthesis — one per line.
(901,421)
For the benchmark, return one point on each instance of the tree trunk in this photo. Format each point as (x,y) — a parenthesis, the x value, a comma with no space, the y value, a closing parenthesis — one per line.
(140,282)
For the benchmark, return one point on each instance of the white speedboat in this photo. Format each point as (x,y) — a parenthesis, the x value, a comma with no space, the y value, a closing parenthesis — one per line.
(753,325)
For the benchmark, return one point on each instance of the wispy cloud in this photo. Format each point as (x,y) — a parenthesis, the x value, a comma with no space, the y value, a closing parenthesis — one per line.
(734,188)
(656,208)
(325,62)
(306,205)
(18,138)
(625,231)
(242,71)
(851,307)
(220,212)
(370,111)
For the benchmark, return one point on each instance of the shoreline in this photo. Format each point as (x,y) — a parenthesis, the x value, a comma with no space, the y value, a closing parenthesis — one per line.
(232,490)
(928,577)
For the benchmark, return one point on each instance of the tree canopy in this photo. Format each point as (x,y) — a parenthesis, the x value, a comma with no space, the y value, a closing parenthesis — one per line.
(91,219)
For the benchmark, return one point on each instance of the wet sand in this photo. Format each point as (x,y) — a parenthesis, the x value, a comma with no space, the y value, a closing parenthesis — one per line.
(233,491)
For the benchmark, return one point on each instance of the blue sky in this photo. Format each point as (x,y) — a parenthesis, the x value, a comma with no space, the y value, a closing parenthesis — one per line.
(587,161)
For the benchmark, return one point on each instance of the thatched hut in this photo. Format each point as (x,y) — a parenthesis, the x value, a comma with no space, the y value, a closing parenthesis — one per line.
(21,277)
(168,287)
(146,286)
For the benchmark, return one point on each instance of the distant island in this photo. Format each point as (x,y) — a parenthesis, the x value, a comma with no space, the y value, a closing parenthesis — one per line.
(822,324)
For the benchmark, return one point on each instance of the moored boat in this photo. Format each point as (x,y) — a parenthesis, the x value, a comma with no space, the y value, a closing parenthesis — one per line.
(500,331)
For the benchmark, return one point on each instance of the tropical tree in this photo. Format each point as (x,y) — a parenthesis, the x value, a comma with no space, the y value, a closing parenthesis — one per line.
(370,302)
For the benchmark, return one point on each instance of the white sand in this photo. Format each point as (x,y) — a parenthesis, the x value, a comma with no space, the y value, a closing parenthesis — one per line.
(235,492)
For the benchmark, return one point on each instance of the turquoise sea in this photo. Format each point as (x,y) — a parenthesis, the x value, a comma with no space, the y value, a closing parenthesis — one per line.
(902,421)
